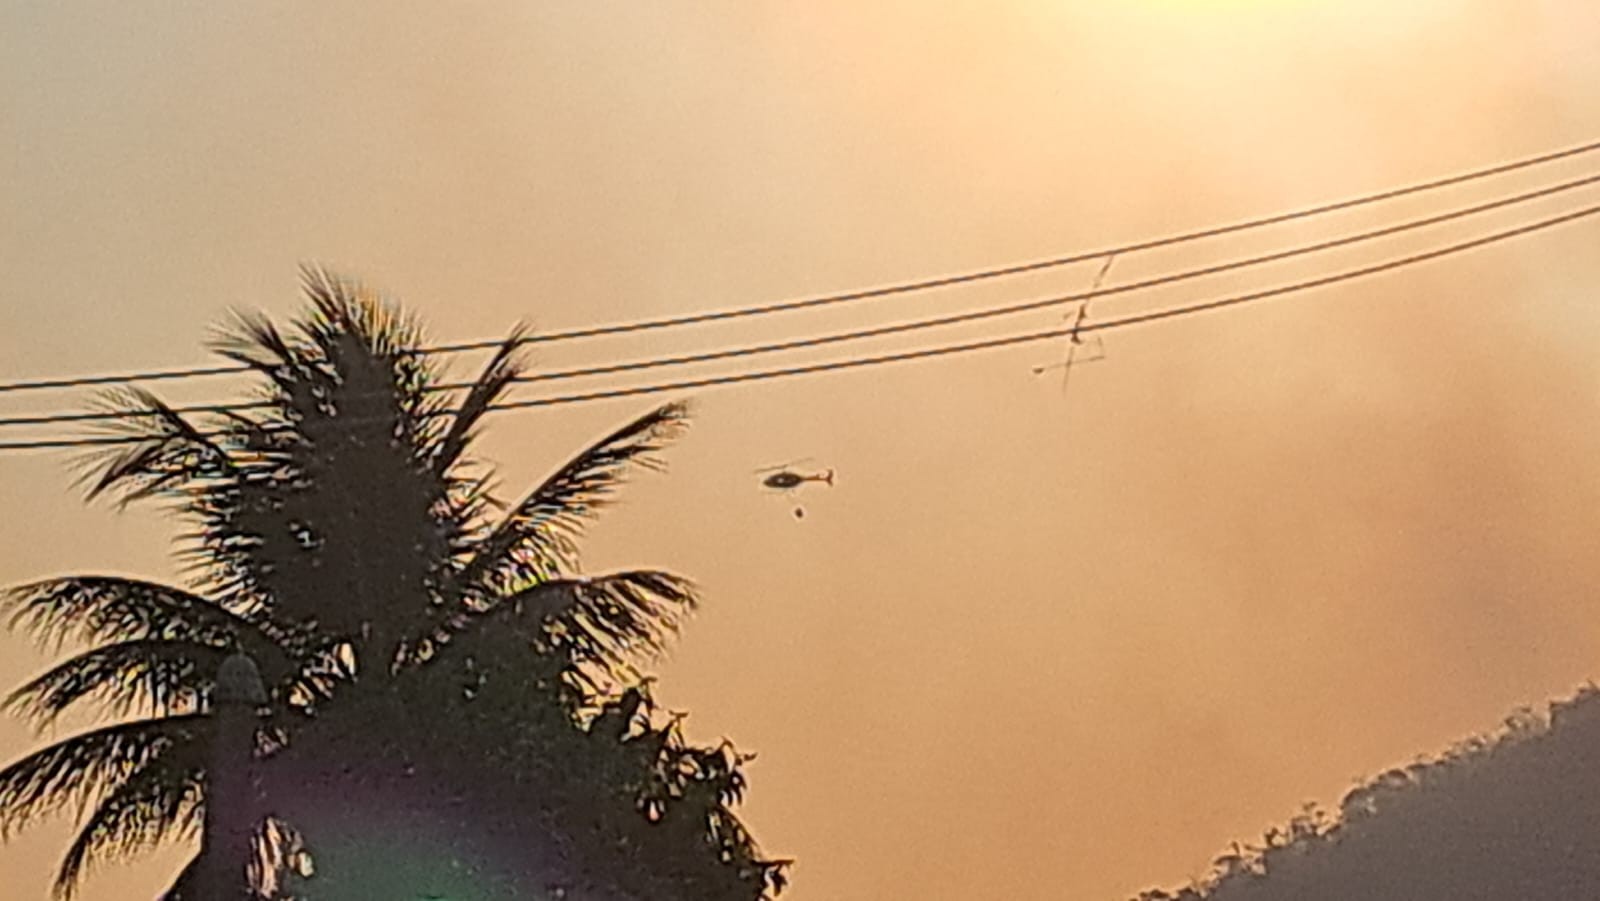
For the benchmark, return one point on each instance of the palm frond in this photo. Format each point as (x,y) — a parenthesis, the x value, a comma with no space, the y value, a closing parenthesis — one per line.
(282,860)
(110,608)
(321,668)
(254,341)
(369,346)
(167,450)
(153,676)
(81,769)
(353,360)
(342,308)
(536,540)
(607,622)
(622,617)
(158,801)
(183,887)
(490,385)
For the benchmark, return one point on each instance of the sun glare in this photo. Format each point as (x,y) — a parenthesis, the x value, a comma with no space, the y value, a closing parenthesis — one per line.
(1215,7)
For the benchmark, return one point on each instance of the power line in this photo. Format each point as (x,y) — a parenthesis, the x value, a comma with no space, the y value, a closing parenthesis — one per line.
(949,349)
(52,418)
(865,294)
(1046,302)
(893,328)
(1059,332)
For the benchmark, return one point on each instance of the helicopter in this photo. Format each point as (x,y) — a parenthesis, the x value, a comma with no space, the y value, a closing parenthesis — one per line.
(784,479)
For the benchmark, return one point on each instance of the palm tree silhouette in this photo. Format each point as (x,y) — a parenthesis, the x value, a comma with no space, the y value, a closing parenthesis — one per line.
(452,708)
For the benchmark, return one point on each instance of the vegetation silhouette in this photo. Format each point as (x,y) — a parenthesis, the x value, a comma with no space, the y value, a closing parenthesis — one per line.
(1514,814)
(452,712)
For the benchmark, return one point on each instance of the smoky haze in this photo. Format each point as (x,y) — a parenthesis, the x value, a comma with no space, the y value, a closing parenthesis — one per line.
(1032,645)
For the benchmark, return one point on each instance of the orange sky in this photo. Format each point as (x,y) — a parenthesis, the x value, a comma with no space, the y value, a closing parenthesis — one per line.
(1031,646)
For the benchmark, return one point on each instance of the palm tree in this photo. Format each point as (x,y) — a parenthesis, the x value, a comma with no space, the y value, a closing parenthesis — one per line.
(450,702)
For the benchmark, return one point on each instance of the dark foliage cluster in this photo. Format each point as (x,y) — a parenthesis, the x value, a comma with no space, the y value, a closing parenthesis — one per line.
(453,710)
(1515,814)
